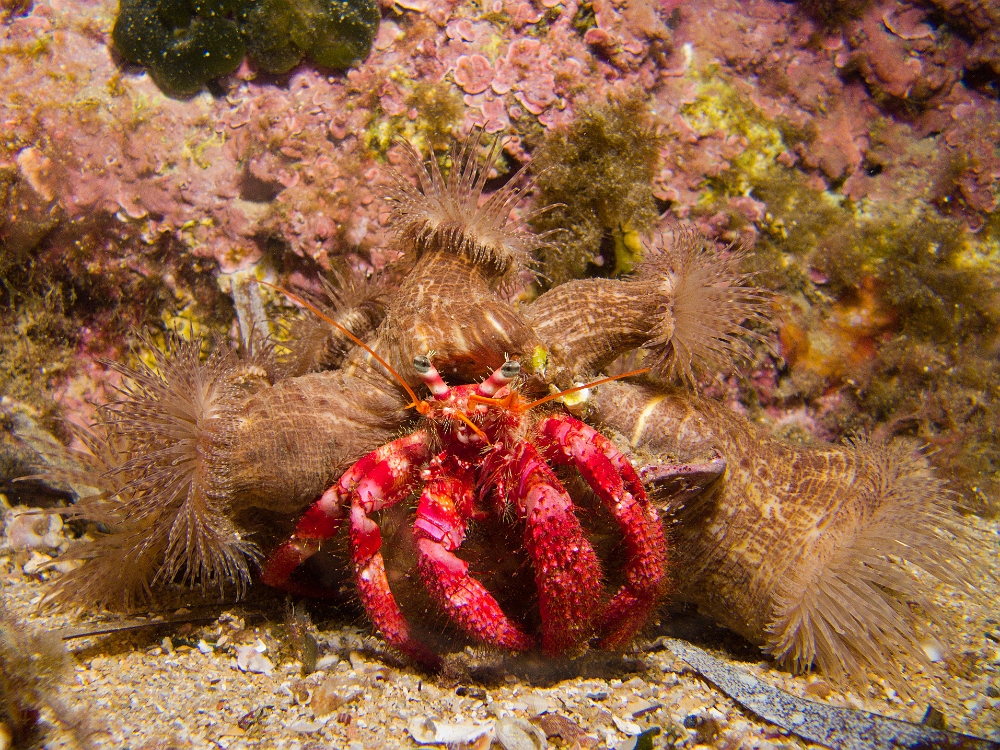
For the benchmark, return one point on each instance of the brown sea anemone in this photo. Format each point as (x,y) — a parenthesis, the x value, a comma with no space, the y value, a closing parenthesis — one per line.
(33,666)
(190,471)
(459,249)
(450,214)
(165,517)
(706,310)
(846,598)
(807,552)
(688,306)
(358,304)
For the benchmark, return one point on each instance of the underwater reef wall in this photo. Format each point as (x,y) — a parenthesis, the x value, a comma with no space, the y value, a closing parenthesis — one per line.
(852,145)
(857,149)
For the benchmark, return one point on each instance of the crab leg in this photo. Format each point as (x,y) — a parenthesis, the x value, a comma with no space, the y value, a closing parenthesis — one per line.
(447,502)
(378,480)
(567,440)
(567,571)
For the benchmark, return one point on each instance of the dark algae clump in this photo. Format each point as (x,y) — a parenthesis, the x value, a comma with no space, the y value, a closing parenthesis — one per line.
(183,43)
(186,43)
(332,33)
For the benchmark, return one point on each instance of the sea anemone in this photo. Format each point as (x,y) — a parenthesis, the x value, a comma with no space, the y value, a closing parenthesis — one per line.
(33,665)
(688,306)
(164,515)
(705,307)
(845,599)
(358,304)
(804,551)
(449,214)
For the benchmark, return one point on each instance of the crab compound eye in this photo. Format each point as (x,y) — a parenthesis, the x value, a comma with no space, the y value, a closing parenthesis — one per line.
(429,374)
(422,364)
(511,369)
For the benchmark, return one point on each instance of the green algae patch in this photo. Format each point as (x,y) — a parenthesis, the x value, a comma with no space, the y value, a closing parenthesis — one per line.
(439,111)
(186,43)
(597,175)
(331,33)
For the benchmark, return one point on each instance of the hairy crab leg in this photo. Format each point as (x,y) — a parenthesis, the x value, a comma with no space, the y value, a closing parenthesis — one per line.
(447,502)
(567,571)
(377,480)
(567,440)
(388,482)
(323,518)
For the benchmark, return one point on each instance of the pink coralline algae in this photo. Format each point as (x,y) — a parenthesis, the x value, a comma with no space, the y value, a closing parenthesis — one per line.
(473,73)
(297,160)
(900,56)
(980,20)
(296,164)
(626,29)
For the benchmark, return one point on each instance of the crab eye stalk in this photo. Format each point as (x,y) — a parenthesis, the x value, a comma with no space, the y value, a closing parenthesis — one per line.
(500,377)
(431,377)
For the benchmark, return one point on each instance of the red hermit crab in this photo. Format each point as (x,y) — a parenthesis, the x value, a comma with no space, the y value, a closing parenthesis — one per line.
(482,443)
(200,465)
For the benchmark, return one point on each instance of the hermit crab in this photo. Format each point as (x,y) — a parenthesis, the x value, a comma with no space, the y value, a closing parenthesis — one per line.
(802,550)
(490,444)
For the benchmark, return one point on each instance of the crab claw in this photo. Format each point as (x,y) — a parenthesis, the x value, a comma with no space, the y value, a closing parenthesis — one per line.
(609,473)
(445,505)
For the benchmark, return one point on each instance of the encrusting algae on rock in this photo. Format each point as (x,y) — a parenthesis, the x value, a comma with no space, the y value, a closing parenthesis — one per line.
(854,151)
(804,551)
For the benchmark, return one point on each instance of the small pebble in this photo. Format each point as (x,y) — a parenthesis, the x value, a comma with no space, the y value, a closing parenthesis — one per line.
(326,661)
(305,727)
(249,659)
(518,734)
(537,705)
(626,727)
(819,689)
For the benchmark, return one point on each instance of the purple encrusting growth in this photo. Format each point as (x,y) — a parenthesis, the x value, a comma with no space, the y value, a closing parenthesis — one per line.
(303,162)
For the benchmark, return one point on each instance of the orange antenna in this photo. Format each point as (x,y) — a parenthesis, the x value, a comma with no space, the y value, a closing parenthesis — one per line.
(323,316)
(552,396)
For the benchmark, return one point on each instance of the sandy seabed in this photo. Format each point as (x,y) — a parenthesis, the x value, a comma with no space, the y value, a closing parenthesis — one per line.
(231,678)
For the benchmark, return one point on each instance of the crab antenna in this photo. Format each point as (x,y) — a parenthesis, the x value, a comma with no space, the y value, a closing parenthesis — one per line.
(429,374)
(574,389)
(322,316)
(500,377)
